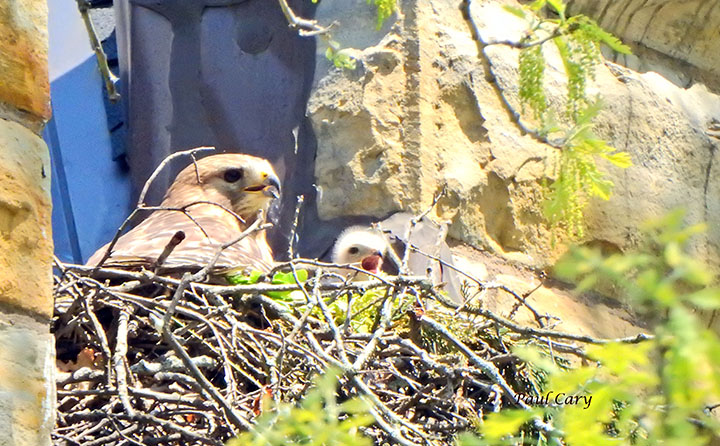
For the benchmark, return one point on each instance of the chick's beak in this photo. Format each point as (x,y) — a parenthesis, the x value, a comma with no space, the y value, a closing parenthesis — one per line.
(372,263)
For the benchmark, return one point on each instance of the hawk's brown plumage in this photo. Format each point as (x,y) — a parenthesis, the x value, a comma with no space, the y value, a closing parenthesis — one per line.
(241,183)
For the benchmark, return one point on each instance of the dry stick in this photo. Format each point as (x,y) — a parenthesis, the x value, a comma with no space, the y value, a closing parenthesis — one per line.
(305,27)
(390,415)
(196,401)
(291,251)
(102,441)
(385,412)
(175,240)
(489,369)
(525,296)
(222,341)
(93,428)
(261,288)
(385,315)
(515,116)
(119,361)
(339,344)
(96,415)
(528,331)
(484,285)
(408,233)
(291,254)
(141,200)
(233,417)
(121,433)
(100,332)
(108,77)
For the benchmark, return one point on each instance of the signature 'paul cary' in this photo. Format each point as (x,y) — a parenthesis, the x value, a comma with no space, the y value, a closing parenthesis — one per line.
(560,399)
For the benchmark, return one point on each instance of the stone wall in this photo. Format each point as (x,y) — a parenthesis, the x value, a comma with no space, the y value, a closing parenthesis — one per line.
(676,38)
(27,361)
(430,105)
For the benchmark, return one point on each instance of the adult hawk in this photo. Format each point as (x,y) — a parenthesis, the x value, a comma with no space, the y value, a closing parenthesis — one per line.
(221,196)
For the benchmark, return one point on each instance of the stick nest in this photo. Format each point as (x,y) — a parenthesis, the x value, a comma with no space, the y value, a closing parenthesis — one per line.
(151,359)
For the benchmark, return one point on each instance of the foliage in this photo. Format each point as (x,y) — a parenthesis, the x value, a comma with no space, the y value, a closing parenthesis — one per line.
(339,56)
(650,393)
(577,40)
(385,9)
(577,176)
(318,420)
(279,278)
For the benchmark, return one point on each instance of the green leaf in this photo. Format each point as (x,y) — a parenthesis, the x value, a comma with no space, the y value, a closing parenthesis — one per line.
(500,424)
(620,159)
(537,5)
(281,278)
(539,361)
(558,6)
(619,357)
(590,112)
(343,60)
(385,9)
(241,279)
(706,299)
(571,380)
(600,35)
(602,189)
(514,11)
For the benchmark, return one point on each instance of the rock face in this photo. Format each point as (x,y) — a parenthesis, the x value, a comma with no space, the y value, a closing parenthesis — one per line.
(430,105)
(25,237)
(24,37)
(676,38)
(27,350)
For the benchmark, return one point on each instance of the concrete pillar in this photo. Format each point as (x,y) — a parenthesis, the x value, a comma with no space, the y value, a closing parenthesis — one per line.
(27,363)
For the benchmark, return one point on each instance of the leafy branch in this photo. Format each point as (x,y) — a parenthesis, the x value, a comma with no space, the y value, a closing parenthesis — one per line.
(577,40)
(661,391)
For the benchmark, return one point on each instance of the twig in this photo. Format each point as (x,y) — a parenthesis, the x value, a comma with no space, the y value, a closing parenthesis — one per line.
(534,332)
(485,285)
(108,77)
(141,200)
(119,361)
(515,116)
(304,27)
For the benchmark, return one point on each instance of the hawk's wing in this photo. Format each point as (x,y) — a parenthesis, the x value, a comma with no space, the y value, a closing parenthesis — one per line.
(142,245)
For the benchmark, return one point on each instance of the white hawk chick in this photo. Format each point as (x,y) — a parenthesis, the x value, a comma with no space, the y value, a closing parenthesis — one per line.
(369,247)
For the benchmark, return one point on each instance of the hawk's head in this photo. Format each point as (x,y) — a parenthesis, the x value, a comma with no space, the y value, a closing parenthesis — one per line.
(361,245)
(242,183)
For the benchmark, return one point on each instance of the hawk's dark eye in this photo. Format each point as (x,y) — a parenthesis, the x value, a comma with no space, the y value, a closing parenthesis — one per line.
(232,175)
(354,250)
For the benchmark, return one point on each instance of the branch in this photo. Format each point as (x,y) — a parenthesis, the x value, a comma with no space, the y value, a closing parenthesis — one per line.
(108,77)
(304,27)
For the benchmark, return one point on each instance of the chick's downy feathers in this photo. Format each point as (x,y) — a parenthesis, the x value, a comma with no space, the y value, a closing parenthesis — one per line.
(363,246)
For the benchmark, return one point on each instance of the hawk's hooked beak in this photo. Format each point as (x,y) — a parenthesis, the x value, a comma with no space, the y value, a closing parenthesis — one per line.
(270,187)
